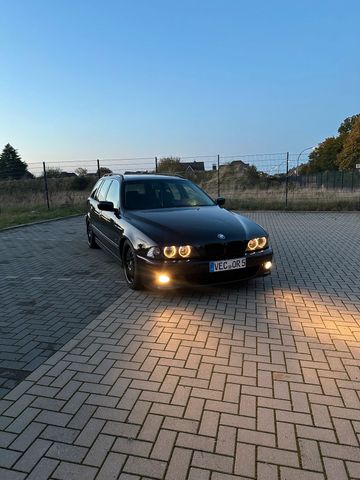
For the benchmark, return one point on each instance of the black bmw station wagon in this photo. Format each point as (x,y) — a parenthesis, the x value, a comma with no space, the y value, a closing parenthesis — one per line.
(168,232)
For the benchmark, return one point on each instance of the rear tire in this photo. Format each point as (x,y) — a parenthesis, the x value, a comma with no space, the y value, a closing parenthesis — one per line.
(91,239)
(131,267)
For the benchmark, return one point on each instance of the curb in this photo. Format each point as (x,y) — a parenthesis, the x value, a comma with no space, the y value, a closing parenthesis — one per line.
(56,219)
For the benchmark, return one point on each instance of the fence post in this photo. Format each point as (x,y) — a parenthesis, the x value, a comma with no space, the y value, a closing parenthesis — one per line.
(287,179)
(218,175)
(352,180)
(46,187)
(98,167)
(156,165)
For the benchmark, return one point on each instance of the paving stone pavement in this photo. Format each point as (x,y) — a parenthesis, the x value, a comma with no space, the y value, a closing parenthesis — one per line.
(51,286)
(256,381)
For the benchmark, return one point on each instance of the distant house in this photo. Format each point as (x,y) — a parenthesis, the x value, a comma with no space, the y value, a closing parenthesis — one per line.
(239,163)
(195,166)
(67,174)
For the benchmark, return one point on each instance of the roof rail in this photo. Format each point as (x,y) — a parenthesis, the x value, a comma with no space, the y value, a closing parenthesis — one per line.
(112,174)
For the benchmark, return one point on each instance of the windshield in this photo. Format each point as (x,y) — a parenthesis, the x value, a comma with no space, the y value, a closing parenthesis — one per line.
(163,193)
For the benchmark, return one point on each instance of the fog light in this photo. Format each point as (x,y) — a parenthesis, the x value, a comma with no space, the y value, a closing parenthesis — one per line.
(268,265)
(163,279)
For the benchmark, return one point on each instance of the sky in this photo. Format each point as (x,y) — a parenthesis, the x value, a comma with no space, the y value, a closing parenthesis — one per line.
(87,79)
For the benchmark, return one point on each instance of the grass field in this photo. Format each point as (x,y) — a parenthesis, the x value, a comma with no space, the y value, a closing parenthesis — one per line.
(304,199)
(20,217)
(24,202)
(27,207)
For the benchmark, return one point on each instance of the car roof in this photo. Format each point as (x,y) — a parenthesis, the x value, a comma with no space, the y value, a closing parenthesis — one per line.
(149,177)
(144,176)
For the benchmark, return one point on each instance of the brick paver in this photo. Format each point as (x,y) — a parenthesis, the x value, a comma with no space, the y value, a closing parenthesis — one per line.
(51,286)
(253,381)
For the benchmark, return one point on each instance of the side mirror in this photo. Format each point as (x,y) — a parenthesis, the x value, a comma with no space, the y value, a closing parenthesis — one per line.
(220,201)
(106,206)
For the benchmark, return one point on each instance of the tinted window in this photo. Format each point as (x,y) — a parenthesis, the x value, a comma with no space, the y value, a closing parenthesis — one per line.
(96,189)
(101,193)
(113,194)
(151,194)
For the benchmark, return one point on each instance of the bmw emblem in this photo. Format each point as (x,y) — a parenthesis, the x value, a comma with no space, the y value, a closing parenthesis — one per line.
(220,236)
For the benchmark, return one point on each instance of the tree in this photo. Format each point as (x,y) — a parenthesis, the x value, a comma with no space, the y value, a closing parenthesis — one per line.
(11,165)
(347,125)
(171,165)
(251,175)
(53,172)
(324,157)
(334,153)
(104,171)
(350,153)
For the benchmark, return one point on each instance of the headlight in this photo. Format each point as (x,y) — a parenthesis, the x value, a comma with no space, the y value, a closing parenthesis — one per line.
(262,241)
(256,244)
(154,252)
(185,251)
(252,244)
(170,252)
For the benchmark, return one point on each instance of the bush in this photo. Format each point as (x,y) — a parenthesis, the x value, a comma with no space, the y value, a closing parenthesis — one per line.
(80,183)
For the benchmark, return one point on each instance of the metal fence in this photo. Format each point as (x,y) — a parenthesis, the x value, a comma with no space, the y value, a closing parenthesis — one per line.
(247,181)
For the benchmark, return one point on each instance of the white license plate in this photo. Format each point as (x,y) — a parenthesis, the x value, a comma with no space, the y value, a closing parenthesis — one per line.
(225,265)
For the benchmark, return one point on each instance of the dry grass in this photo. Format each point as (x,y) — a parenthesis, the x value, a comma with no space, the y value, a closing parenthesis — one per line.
(24,201)
(26,204)
(298,199)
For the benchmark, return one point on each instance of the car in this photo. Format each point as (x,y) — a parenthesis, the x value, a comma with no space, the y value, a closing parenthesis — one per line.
(167,232)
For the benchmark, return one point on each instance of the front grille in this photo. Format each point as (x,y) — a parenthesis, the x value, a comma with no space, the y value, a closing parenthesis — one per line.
(223,251)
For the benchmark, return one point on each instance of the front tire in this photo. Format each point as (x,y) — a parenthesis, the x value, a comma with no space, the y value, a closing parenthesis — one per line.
(90,236)
(131,267)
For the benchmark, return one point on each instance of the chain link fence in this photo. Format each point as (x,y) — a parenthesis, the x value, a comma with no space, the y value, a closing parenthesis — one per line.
(263,181)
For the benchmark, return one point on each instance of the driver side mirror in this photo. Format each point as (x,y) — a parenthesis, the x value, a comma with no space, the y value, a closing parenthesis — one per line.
(106,206)
(220,201)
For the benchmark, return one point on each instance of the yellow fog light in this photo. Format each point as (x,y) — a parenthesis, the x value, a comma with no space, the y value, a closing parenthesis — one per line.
(163,279)
(267,265)
(184,251)
(170,252)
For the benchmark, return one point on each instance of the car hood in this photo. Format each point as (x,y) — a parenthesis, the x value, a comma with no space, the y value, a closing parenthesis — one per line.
(193,225)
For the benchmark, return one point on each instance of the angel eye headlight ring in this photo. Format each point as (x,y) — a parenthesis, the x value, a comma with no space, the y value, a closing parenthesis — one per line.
(252,244)
(256,244)
(170,252)
(185,251)
(262,242)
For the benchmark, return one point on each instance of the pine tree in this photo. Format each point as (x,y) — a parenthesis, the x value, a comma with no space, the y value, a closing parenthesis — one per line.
(11,165)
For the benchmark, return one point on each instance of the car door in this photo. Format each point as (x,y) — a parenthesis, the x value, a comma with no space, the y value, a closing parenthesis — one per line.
(92,203)
(111,221)
(97,214)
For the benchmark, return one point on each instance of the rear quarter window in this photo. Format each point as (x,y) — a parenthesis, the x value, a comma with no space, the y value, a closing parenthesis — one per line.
(96,188)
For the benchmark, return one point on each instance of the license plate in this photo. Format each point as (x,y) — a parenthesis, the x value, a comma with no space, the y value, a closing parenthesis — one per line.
(226,265)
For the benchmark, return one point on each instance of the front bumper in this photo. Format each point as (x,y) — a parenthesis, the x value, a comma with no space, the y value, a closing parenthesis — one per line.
(197,271)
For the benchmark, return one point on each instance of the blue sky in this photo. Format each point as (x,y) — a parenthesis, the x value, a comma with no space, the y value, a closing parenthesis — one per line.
(91,79)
